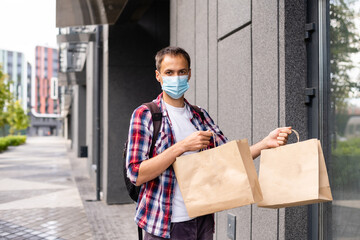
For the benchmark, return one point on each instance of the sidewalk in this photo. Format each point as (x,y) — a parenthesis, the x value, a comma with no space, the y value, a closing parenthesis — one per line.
(44,193)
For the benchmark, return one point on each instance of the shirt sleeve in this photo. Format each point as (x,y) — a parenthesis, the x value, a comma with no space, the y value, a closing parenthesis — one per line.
(139,141)
(219,136)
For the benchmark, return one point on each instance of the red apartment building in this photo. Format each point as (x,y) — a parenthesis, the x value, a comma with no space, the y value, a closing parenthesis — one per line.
(45,112)
(46,68)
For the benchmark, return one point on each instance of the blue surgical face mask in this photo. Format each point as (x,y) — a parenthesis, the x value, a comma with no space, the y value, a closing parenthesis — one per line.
(175,86)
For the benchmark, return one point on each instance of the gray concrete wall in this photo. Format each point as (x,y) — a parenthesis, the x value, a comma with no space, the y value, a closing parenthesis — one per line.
(90,106)
(265,97)
(248,70)
(294,67)
(66,128)
(78,112)
(129,81)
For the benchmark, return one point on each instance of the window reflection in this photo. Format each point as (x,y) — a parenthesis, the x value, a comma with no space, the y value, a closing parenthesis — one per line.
(345,120)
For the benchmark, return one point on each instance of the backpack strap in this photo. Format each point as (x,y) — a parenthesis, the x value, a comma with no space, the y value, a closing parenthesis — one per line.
(156,118)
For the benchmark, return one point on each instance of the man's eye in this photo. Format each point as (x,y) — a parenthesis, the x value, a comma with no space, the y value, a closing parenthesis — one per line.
(168,73)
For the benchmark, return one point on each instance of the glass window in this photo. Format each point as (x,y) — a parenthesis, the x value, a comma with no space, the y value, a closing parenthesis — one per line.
(10,56)
(10,69)
(19,59)
(344,168)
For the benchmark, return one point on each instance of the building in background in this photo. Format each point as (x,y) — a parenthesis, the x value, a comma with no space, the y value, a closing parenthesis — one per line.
(46,70)
(256,65)
(15,67)
(28,86)
(29,94)
(45,107)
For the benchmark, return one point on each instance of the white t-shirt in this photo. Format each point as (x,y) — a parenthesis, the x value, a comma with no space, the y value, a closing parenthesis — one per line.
(182,127)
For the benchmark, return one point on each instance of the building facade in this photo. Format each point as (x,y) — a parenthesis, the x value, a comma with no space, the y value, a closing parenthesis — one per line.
(28,86)
(45,110)
(15,67)
(46,68)
(256,65)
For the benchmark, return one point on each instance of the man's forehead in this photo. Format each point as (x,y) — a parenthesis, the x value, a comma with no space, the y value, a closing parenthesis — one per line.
(169,60)
(170,57)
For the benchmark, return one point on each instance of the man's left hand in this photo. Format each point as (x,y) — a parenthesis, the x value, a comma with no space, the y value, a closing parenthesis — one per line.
(278,137)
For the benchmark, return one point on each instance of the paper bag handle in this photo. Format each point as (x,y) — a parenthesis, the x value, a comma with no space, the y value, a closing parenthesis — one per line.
(296,133)
(213,140)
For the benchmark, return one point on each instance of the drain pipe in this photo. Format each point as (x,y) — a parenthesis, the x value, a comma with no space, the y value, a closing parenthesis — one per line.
(97,87)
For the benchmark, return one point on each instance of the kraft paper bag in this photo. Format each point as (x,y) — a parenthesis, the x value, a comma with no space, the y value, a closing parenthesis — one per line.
(218,179)
(294,175)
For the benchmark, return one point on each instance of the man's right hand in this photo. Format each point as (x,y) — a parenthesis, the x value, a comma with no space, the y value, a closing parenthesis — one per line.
(153,167)
(197,141)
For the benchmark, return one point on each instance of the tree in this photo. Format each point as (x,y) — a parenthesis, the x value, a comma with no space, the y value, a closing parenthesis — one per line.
(11,112)
(5,97)
(16,117)
(344,41)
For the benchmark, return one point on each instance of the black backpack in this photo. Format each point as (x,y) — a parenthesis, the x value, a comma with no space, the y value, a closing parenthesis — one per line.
(156,118)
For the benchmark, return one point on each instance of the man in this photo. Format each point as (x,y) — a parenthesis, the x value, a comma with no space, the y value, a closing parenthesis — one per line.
(160,209)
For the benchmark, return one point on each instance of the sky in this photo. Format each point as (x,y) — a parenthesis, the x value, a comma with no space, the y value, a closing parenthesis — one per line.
(25,24)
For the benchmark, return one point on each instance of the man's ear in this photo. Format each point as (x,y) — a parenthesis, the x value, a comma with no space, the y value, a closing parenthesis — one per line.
(157,76)
(189,74)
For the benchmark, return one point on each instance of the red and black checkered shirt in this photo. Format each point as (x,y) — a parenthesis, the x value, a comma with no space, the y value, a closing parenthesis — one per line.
(154,206)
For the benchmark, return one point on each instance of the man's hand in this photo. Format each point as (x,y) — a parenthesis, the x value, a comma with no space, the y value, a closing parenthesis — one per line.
(196,141)
(154,166)
(278,137)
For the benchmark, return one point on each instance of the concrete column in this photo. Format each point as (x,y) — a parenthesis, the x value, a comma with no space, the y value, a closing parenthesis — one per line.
(69,126)
(293,17)
(78,118)
(65,132)
(202,55)
(90,106)
(265,97)
(186,37)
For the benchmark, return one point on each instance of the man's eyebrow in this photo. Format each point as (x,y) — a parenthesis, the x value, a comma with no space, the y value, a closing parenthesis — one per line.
(172,70)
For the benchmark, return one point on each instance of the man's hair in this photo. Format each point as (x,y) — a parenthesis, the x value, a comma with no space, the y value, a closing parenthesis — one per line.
(173,51)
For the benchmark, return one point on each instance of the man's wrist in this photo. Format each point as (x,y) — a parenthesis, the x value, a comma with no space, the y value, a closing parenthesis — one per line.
(180,148)
(264,144)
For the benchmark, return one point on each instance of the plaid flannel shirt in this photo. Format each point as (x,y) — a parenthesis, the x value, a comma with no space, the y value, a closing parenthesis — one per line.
(154,206)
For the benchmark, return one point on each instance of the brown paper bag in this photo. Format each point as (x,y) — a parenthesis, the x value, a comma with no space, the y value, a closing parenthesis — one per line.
(294,175)
(218,179)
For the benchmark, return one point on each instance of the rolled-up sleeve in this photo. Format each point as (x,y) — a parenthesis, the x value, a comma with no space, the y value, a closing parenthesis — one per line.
(139,141)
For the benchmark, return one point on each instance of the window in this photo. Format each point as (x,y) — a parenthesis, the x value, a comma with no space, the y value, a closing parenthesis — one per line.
(19,59)
(10,56)
(344,117)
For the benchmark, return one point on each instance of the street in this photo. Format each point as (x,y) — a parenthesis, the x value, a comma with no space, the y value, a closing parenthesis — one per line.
(46,193)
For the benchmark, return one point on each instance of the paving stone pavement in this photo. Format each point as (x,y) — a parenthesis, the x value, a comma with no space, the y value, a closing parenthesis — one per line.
(107,221)
(44,192)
